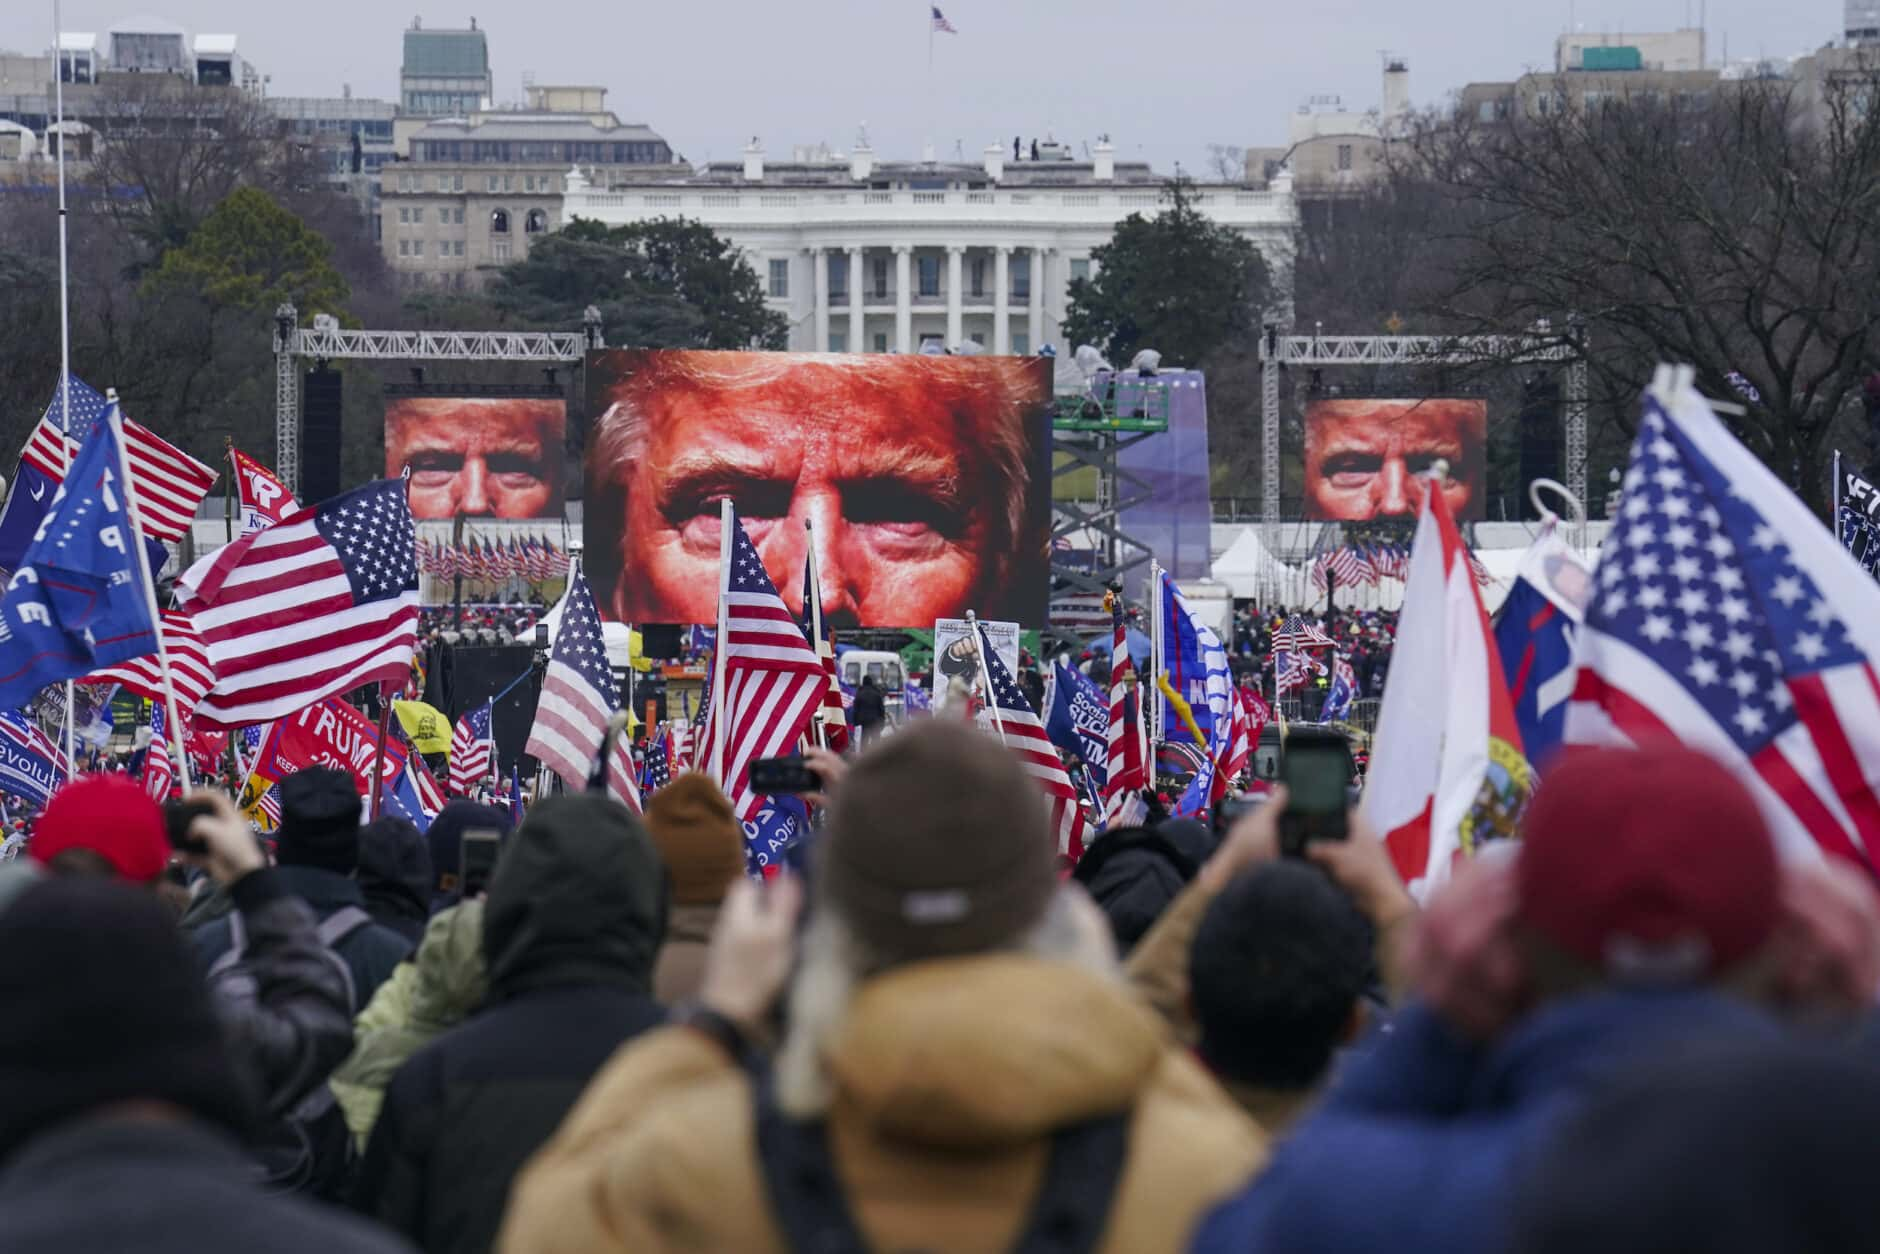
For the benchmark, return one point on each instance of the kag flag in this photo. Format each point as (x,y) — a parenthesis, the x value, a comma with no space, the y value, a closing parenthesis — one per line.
(78,600)
(1079,720)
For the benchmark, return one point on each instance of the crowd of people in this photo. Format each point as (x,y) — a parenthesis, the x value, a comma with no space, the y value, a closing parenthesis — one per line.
(1636,1028)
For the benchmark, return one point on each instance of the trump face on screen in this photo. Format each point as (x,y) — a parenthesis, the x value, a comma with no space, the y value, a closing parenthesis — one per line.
(923,478)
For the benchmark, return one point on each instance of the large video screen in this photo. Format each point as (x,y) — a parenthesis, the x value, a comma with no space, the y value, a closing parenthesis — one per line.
(487,457)
(927,481)
(1363,456)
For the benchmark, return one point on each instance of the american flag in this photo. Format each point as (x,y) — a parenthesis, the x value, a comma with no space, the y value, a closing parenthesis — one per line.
(1241,736)
(940,23)
(1344,564)
(270,806)
(1024,735)
(1727,617)
(159,771)
(1367,567)
(170,483)
(1294,670)
(470,751)
(773,681)
(1296,633)
(190,669)
(658,770)
(579,695)
(430,796)
(311,607)
(1128,774)
(832,716)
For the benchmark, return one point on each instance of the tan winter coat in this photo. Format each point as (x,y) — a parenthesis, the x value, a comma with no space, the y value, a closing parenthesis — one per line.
(949,1077)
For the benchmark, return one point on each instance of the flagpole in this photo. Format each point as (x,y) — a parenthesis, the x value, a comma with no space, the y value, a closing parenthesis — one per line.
(65,338)
(1152,705)
(815,623)
(1834,507)
(115,417)
(727,518)
(985,671)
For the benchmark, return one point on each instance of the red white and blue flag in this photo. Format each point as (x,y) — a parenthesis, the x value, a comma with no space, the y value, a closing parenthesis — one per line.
(471,751)
(159,771)
(1017,724)
(940,23)
(1127,771)
(1726,616)
(579,695)
(773,681)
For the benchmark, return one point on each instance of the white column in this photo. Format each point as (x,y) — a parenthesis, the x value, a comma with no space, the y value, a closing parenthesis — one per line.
(956,317)
(1001,315)
(1037,299)
(856,279)
(903,298)
(819,258)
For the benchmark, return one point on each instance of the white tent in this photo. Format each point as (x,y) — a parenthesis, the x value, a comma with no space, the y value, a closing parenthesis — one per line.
(1246,568)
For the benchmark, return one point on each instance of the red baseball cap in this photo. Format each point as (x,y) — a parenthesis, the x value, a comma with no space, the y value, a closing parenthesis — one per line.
(112,816)
(1653,864)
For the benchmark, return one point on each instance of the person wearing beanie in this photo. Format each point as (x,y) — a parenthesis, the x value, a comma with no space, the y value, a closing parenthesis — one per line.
(701,844)
(102,825)
(961,1068)
(1644,909)
(317,848)
(121,1107)
(445,837)
(574,915)
(395,875)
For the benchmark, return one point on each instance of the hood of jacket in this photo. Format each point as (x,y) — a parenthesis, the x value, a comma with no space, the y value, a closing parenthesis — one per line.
(989,1050)
(579,897)
(451,976)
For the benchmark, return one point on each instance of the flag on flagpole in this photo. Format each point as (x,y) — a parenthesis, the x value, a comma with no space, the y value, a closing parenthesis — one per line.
(263,498)
(1296,633)
(1210,693)
(1343,692)
(831,716)
(773,680)
(940,24)
(579,695)
(1725,615)
(472,750)
(317,605)
(657,771)
(1018,725)
(170,483)
(31,765)
(1534,631)
(1448,772)
(80,599)
(33,488)
(159,771)
(1127,771)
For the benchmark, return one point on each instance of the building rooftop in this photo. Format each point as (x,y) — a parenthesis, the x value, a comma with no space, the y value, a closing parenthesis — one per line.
(215,44)
(533,126)
(837,174)
(447,53)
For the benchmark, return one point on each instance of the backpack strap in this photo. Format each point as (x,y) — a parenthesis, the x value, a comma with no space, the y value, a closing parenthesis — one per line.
(1068,1216)
(237,945)
(342,923)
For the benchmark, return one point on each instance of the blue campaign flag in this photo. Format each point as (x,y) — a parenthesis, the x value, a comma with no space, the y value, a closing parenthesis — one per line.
(78,600)
(1534,633)
(26,506)
(1078,720)
(1197,667)
(515,796)
(26,769)
(781,825)
(401,799)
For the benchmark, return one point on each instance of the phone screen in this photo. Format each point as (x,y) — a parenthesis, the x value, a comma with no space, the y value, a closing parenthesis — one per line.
(481,845)
(1317,777)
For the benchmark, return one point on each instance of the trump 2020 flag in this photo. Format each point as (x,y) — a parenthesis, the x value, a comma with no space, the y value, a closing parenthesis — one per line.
(1857,516)
(1448,772)
(78,600)
(1726,616)
(1534,631)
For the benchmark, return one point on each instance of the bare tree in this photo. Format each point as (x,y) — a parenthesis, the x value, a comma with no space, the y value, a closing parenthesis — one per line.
(1732,230)
(1227,162)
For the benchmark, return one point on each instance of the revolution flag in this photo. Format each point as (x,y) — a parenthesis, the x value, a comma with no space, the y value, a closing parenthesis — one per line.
(31,765)
(322,603)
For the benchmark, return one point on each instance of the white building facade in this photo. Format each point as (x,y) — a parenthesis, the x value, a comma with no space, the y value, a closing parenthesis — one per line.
(866,257)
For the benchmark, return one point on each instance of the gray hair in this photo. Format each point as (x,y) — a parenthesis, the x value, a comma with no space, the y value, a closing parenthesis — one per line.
(835,963)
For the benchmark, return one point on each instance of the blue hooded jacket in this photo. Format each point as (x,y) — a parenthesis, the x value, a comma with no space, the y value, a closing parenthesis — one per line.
(1420,1142)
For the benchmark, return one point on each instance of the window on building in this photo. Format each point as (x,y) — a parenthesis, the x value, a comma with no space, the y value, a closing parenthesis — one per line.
(1080,269)
(978,337)
(929,276)
(404,248)
(979,276)
(881,278)
(1021,343)
(456,182)
(528,182)
(838,341)
(779,278)
(456,248)
(499,222)
(838,277)
(404,214)
(1021,278)
(456,217)
(881,341)
(499,250)
(536,222)
(491,182)
(1344,156)
(417,215)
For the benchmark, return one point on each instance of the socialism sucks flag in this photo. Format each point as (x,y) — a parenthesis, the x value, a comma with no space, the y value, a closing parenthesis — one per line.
(1448,772)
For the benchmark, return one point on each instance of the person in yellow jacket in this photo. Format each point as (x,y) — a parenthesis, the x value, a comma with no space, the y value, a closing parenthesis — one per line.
(961,1059)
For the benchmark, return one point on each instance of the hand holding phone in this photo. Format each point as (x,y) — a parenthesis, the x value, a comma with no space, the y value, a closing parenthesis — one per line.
(1317,771)
(783,775)
(476,859)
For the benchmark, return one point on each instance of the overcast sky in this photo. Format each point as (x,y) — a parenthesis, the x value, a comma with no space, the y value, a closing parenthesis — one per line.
(1165,78)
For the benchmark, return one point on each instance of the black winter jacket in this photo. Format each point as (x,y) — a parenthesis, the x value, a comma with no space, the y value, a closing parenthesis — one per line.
(573,921)
(371,953)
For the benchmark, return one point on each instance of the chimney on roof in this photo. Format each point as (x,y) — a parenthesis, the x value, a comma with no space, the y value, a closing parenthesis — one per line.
(861,161)
(1396,87)
(1103,161)
(754,161)
(995,161)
